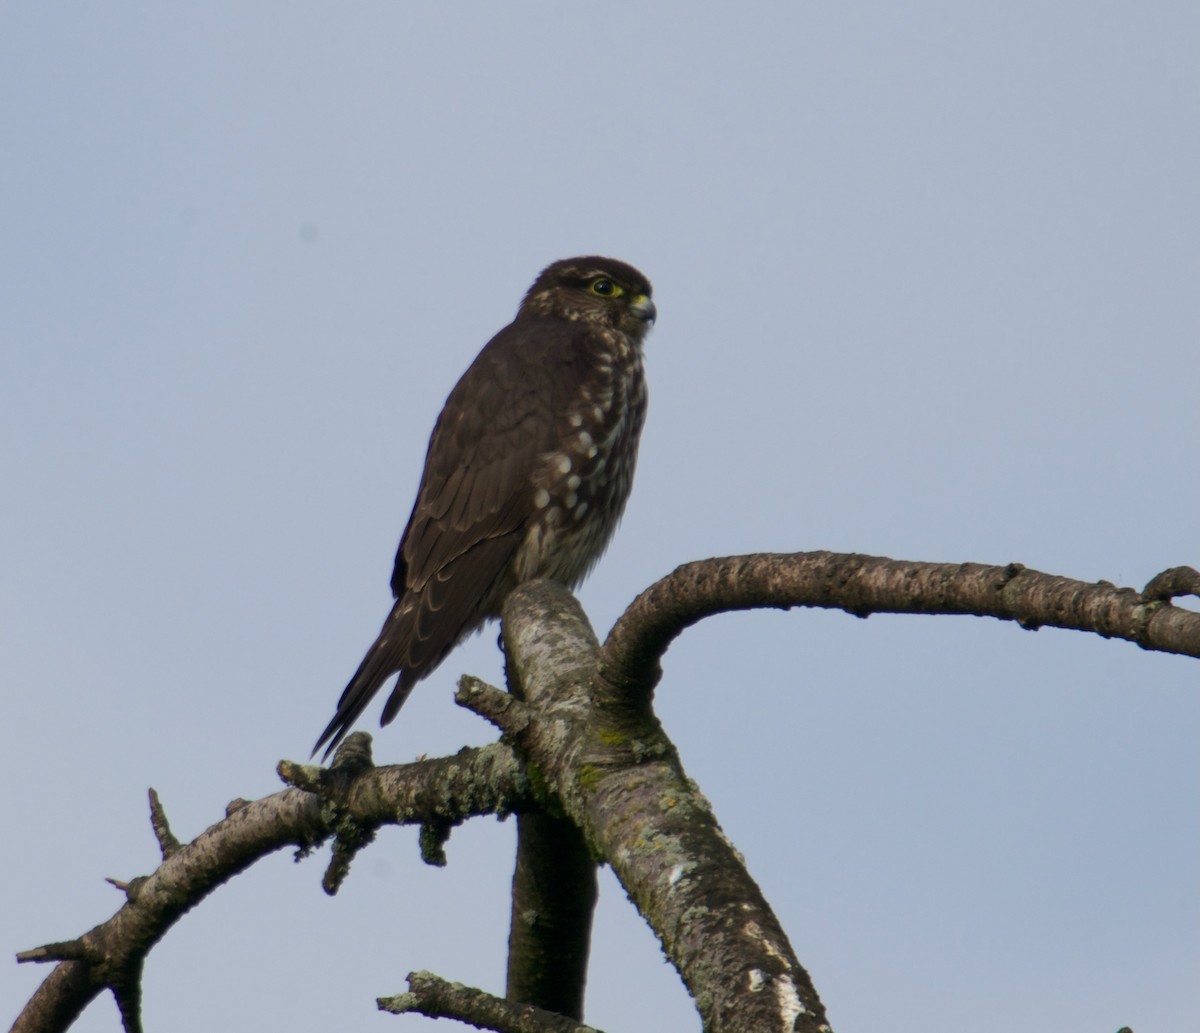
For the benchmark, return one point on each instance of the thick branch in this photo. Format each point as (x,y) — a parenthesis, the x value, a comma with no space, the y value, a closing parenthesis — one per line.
(554,896)
(862,585)
(481,781)
(553,900)
(619,779)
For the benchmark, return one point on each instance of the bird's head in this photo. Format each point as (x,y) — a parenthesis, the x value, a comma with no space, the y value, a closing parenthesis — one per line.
(596,290)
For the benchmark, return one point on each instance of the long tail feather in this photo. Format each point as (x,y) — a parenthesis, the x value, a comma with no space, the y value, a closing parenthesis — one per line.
(380,663)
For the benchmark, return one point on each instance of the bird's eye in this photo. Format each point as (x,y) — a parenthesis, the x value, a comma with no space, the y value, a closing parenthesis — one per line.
(605,288)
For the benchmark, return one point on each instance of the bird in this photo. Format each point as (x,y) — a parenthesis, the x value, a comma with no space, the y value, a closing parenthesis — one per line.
(526,475)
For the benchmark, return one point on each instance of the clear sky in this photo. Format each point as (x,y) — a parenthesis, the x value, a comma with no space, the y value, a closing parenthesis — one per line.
(927,278)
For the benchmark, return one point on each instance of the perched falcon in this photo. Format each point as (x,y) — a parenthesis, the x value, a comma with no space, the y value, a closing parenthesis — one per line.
(528,470)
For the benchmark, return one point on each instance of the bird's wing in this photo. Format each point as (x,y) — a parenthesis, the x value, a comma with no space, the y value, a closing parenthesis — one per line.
(417,635)
(445,610)
(472,508)
(499,421)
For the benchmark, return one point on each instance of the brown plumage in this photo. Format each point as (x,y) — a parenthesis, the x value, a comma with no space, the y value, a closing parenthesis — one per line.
(528,470)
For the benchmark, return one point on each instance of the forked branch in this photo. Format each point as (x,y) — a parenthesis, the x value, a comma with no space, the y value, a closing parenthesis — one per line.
(603,761)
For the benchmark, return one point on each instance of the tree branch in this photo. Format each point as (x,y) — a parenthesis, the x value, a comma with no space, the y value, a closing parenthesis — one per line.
(110,956)
(619,779)
(554,895)
(597,755)
(863,585)
(432,996)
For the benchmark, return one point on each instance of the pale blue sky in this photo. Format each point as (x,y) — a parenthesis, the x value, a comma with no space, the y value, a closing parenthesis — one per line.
(927,283)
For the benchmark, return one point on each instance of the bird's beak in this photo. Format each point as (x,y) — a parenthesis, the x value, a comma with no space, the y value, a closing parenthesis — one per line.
(643,308)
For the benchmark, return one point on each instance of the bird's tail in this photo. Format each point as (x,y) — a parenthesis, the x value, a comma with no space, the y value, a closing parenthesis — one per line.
(380,663)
